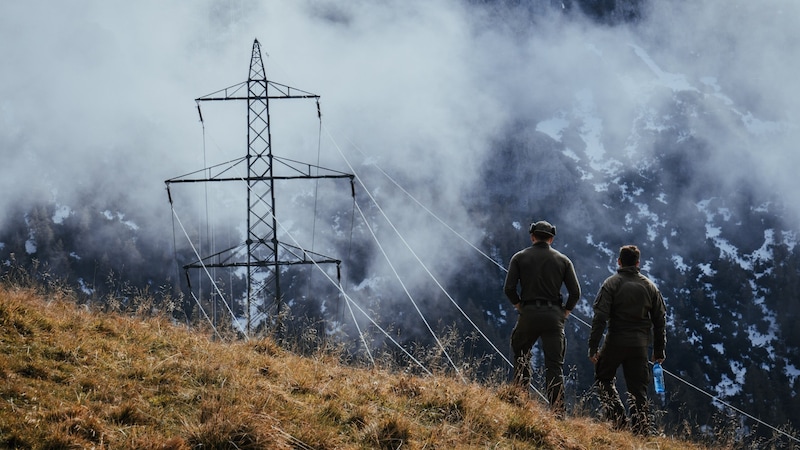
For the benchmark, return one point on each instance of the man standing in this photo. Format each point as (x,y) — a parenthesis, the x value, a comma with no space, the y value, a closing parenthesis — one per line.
(632,307)
(540,271)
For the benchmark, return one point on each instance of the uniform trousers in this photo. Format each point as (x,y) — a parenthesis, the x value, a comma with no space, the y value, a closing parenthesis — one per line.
(637,377)
(545,322)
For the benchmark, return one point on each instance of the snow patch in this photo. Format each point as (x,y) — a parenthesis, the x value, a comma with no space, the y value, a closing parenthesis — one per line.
(694,338)
(30,246)
(792,372)
(761,127)
(121,217)
(601,246)
(716,90)
(601,187)
(674,81)
(706,270)
(712,231)
(553,127)
(728,387)
(591,132)
(790,239)
(677,260)
(61,213)
(760,339)
(569,153)
(84,287)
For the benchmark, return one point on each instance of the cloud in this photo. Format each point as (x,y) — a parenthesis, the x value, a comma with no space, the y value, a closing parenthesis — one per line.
(98,96)
(739,54)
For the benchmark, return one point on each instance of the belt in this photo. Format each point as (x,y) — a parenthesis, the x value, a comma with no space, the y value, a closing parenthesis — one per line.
(541,302)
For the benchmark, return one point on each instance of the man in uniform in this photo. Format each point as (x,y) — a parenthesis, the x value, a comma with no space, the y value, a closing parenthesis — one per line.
(540,271)
(631,306)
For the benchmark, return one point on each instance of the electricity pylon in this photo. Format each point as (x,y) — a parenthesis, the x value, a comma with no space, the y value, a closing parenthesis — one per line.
(265,253)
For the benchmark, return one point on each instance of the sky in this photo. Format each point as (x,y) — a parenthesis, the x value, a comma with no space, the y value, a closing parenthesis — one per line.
(97,96)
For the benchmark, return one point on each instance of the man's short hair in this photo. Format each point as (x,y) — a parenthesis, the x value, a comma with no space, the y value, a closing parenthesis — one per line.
(629,255)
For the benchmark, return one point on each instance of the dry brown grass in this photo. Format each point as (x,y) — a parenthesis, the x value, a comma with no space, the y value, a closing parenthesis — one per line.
(73,378)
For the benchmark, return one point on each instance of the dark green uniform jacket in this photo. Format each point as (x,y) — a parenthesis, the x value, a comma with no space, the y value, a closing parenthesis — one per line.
(541,270)
(631,305)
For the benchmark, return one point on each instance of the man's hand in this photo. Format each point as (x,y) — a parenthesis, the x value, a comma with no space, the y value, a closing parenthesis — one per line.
(566,313)
(593,358)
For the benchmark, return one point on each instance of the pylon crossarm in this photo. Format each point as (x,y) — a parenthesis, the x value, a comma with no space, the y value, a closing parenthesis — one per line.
(263,264)
(204,262)
(306,168)
(234,93)
(229,165)
(286,91)
(324,258)
(228,93)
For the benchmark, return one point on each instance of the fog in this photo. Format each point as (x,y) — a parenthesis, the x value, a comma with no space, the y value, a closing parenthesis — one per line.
(97,97)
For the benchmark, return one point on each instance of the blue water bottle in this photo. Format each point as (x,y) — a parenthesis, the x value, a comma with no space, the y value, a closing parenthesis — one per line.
(658,378)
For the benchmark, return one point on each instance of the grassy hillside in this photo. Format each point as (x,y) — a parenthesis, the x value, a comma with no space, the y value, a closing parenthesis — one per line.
(74,378)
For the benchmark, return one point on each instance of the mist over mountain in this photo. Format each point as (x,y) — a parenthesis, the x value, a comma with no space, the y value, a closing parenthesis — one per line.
(671,125)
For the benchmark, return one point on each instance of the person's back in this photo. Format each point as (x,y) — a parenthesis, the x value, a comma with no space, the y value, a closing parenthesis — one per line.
(634,299)
(631,306)
(540,271)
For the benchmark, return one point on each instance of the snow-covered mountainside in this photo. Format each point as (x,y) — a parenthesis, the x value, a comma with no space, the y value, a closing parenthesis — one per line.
(722,246)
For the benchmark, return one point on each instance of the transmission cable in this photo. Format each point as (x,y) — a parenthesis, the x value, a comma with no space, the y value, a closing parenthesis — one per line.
(578,318)
(174,243)
(359,308)
(392,267)
(432,214)
(213,283)
(209,228)
(316,189)
(402,284)
(717,399)
(447,294)
(349,300)
(337,285)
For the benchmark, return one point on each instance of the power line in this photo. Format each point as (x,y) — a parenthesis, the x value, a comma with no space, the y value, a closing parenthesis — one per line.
(257,92)
(719,400)
(447,294)
(435,216)
(351,302)
(399,279)
(213,282)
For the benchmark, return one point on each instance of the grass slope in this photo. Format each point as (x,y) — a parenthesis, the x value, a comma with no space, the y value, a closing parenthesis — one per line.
(73,378)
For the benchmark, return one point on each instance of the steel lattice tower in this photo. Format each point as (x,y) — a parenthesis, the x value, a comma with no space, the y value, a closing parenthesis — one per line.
(265,253)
